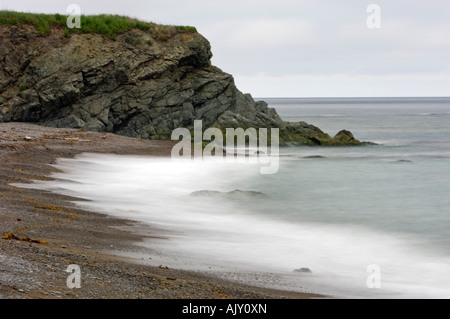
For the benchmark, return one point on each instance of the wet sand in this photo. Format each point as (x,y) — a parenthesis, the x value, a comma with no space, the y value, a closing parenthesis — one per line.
(44,233)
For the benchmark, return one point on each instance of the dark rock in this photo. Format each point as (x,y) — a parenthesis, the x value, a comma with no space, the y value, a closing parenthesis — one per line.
(236,194)
(315,157)
(303,271)
(344,137)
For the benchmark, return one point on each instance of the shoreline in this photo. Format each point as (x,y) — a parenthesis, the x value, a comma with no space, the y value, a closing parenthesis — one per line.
(50,233)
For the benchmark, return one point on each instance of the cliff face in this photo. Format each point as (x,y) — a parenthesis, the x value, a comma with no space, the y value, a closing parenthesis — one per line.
(139,85)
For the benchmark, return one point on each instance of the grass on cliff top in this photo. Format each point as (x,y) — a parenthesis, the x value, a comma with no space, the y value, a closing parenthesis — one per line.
(110,25)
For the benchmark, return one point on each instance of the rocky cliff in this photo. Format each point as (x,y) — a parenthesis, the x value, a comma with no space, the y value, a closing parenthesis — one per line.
(139,84)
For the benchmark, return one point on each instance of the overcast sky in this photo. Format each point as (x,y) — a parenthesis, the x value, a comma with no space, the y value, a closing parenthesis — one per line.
(306,48)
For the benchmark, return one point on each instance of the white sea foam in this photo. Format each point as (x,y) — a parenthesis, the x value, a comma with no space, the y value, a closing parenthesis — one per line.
(232,236)
(335,215)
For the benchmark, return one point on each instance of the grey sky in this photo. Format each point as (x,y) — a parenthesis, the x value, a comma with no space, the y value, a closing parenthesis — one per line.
(306,48)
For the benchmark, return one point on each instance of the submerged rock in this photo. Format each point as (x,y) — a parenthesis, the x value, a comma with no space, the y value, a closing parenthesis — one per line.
(315,157)
(303,271)
(236,194)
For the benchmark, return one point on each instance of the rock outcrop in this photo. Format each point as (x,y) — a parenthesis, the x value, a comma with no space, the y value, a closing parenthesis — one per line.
(137,85)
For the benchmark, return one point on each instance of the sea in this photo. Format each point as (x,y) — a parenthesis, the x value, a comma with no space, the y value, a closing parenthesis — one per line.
(348,222)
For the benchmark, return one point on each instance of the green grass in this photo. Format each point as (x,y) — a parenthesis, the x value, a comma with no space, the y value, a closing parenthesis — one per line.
(109,25)
(23,87)
(186,28)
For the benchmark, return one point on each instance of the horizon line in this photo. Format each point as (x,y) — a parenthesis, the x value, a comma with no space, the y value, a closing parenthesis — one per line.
(356,97)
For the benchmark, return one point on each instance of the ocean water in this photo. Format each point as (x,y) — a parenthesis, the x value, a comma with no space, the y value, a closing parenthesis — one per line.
(340,212)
